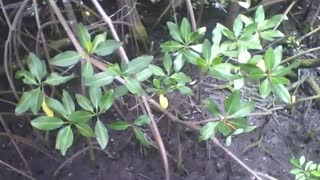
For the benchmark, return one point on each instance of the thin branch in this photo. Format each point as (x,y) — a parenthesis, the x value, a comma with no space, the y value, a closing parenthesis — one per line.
(191,14)
(107,19)
(5,127)
(16,170)
(300,54)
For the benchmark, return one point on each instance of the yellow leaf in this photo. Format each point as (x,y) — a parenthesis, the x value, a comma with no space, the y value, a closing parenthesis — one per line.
(46,109)
(163,101)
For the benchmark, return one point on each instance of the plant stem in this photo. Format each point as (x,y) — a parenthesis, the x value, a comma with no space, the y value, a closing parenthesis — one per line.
(191,14)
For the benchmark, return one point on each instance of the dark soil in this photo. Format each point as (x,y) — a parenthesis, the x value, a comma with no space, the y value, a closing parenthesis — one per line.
(282,135)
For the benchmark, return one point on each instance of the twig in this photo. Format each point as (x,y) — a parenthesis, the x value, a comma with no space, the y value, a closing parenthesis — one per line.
(315,17)
(285,13)
(5,127)
(107,19)
(16,170)
(197,128)
(309,34)
(153,125)
(69,159)
(8,42)
(158,138)
(299,54)
(28,142)
(217,142)
(191,14)
(268,3)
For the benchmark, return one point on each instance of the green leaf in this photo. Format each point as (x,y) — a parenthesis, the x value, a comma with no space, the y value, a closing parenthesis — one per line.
(198,34)
(272,22)
(87,69)
(47,123)
(185,30)
(167,62)
(142,120)
(170,46)
(232,102)
(120,91)
(25,102)
(279,80)
(144,75)
(98,40)
(107,47)
(36,67)
(270,35)
(269,59)
(133,85)
(100,79)
(119,125)
(212,107)
(315,173)
(141,137)
(85,130)
(237,26)
(181,77)
(265,88)
(65,59)
(229,34)
(55,79)
(249,30)
(223,128)
(56,106)
(157,71)
(206,51)
(240,123)
(178,63)
(185,90)
(243,109)
(259,15)
(252,42)
(174,31)
(84,37)
(282,92)
(95,95)
(64,139)
(229,140)
(106,101)
(156,83)
(84,102)
(80,116)
(27,77)
(223,71)
(138,64)
(37,99)
(102,135)
(295,162)
(256,74)
(302,160)
(208,131)
(68,102)
(190,56)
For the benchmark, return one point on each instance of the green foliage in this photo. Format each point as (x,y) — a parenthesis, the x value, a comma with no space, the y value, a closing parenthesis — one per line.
(232,121)
(305,170)
(228,56)
(138,132)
